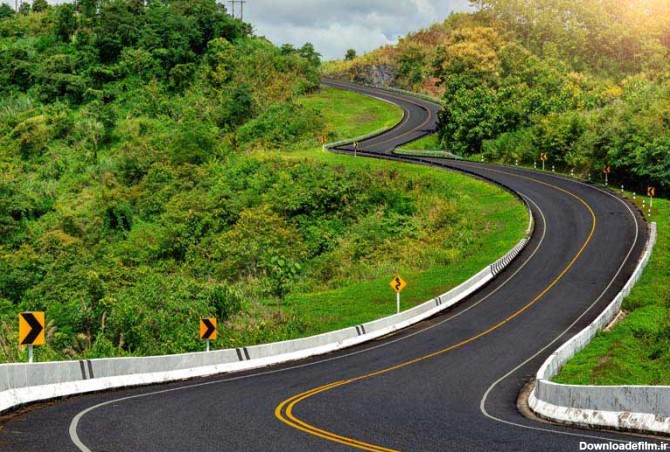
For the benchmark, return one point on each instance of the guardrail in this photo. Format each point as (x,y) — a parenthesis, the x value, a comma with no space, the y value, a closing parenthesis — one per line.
(426,97)
(628,408)
(367,136)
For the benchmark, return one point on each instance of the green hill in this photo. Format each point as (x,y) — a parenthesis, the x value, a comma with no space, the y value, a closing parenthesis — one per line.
(587,82)
(161,163)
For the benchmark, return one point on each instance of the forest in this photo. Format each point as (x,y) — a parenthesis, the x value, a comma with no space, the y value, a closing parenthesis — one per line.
(586,81)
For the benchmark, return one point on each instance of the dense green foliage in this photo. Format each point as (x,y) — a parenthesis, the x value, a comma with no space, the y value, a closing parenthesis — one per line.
(589,91)
(149,177)
(587,81)
(122,189)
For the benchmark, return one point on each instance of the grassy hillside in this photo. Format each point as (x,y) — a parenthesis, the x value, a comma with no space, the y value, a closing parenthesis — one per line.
(161,163)
(347,114)
(461,225)
(587,82)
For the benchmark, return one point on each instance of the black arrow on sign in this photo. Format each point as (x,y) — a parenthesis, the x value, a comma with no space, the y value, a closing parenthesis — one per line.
(210,329)
(35,328)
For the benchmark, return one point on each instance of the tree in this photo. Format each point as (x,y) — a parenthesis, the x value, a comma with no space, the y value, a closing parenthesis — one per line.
(66,22)
(40,6)
(350,55)
(88,8)
(92,132)
(287,49)
(6,11)
(310,54)
(282,272)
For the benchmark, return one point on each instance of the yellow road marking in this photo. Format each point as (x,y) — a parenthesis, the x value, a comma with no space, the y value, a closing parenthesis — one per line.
(290,403)
(303,426)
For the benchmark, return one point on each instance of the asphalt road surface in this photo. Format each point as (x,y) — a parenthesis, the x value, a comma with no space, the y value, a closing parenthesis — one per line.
(448,384)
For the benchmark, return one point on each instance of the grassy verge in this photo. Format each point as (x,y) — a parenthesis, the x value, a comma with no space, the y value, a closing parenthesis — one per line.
(348,114)
(429,143)
(637,350)
(431,154)
(490,222)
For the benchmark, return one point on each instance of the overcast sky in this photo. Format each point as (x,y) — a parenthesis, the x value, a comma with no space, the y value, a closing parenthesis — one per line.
(334,26)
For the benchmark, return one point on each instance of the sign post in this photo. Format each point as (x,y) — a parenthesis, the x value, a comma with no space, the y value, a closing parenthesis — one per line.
(398,284)
(355,148)
(651,192)
(31,331)
(208,330)
(544,158)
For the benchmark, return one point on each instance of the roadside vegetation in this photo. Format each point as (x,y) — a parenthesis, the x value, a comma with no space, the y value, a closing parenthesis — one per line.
(161,163)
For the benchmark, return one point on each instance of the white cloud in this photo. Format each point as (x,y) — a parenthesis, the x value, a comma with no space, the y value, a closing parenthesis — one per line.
(334,26)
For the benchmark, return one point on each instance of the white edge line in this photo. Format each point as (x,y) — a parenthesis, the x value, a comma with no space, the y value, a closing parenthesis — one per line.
(482,405)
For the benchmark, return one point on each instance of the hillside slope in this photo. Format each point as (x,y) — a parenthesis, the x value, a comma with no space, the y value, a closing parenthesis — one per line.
(154,170)
(587,82)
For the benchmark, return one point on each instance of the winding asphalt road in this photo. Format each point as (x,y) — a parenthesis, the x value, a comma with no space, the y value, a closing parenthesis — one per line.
(448,384)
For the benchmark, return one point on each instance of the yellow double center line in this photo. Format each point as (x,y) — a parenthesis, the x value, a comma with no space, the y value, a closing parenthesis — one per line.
(284,411)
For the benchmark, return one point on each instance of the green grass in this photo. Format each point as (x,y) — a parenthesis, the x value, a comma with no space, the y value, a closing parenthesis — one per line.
(637,350)
(429,143)
(349,114)
(426,153)
(501,218)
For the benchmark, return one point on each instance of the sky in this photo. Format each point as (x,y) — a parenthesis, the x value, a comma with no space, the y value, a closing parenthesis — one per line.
(334,26)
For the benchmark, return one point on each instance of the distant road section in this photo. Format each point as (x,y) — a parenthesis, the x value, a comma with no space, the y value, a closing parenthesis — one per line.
(420,119)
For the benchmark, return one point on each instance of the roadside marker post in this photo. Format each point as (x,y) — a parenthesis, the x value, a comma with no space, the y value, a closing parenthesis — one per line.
(208,330)
(651,192)
(607,170)
(31,331)
(398,285)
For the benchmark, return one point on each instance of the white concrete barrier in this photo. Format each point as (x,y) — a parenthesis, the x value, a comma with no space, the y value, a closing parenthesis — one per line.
(628,408)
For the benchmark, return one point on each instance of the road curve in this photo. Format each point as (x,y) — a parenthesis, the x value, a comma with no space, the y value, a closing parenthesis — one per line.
(450,383)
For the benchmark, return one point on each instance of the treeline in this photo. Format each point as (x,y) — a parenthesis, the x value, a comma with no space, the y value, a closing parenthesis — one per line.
(587,82)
